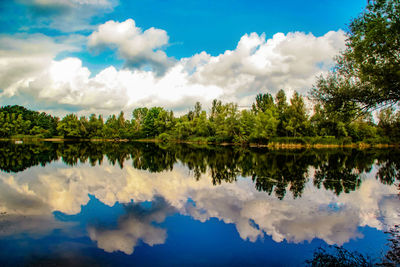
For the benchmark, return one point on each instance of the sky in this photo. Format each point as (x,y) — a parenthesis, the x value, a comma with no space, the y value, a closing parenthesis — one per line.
(104,56)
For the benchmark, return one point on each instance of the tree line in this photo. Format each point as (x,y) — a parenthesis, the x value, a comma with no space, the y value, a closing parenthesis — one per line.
(269,120)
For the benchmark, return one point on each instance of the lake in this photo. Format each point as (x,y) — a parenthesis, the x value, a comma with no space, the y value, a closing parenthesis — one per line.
(146,204)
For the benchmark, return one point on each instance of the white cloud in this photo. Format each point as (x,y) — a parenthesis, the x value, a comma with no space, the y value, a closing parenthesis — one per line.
(22,211)
(63,81)
(132,228)
(68,82)
(24,57)
(294,220)
(126,237)
(138,48)
(257,65)
(289,61)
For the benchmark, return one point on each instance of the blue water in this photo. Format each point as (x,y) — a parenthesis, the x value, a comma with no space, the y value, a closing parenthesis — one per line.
(107,215)
(189,242)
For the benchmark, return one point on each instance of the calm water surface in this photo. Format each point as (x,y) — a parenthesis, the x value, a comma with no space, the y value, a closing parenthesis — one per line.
(121,204)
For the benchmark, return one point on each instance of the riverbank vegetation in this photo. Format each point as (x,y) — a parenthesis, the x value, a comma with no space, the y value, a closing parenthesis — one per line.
(269,121)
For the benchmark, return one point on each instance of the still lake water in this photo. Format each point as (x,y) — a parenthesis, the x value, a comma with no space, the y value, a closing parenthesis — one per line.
(122,204)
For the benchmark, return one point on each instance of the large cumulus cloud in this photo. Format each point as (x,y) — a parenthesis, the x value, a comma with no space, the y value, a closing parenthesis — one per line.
(256,65)
(290,61)
(24,57)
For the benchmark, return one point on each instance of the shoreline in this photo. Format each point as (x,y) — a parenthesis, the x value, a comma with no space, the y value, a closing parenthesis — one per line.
(278,145)
(272,145)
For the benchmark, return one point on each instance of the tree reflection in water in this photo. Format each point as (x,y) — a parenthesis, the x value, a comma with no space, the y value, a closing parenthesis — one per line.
(272,171)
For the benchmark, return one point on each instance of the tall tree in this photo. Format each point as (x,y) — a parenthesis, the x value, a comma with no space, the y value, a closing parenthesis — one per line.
(265,126)
(111,129)
(139,114)
(263,102)
(70,127)
(282,108)
(95,126)
(297,116)
(151,124)
(389,123)
(247,122)
(367,73)
(197,109)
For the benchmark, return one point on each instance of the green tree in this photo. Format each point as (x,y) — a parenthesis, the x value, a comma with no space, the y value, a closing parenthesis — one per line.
(367,73)
(389,123)
(282,108)
(164,121)
(362,128)
(263,103)
(84,127)
(297,116)
(70,127)
(151,123)
(215,109)
(111,129)
(265,126)
(326,122)
(139,114)
(226,122)
(25,120)
(95,126)
(122,125)
(197,109)
(202,126)
(247,123)
(182,129)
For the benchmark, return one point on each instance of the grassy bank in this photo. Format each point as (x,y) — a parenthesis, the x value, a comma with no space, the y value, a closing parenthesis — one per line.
(287,143)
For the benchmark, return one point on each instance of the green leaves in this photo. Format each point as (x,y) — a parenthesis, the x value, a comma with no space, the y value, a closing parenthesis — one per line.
(70,127)
(366,74)
(263,103)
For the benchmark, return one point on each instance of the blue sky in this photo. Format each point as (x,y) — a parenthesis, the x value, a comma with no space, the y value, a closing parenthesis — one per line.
(59,32)
(215,26)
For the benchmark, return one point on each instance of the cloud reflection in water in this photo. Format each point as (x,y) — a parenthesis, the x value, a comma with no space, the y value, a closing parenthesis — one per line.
(319,213)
